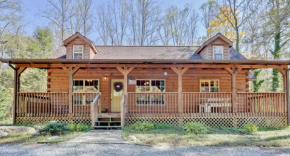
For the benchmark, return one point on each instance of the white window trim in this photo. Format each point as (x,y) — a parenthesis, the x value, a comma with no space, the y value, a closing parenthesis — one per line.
(78,52)
(214,52)
(209,83)
(85,86)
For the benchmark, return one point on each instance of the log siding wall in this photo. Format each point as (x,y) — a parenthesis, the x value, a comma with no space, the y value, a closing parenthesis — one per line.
(58,79)
(88,53)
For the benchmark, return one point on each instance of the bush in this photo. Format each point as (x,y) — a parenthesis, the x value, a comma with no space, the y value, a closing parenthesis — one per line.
(79,127)
(142,126)
(250,127)
(55,128)
(162,126)
(196,128)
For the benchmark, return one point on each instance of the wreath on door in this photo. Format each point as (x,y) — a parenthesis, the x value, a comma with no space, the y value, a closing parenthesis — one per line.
(118,86)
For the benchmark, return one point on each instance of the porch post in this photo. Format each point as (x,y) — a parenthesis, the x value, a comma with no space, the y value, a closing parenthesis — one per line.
(233,73)
(283,73)
(70,71)
(17,73)
(287,96)
(125,71)
(179,71)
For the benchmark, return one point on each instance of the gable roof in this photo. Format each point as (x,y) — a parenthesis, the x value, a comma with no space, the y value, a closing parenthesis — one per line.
(218,35)
(76,35)
(147,53)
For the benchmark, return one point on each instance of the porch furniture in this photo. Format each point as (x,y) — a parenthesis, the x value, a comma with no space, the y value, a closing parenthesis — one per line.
(222,104)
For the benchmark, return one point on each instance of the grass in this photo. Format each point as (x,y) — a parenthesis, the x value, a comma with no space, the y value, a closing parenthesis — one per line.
(28,139)
(175,136)
(6,122)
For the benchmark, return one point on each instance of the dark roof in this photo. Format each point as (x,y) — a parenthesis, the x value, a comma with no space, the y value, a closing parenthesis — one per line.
(147,52)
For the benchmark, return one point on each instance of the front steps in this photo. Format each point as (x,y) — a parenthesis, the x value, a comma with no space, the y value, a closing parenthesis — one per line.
(108,123)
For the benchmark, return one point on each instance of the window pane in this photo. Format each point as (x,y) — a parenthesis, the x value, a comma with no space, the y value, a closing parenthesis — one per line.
(78,55)
(150,86)
(78,85)
(218,56)
(91,86)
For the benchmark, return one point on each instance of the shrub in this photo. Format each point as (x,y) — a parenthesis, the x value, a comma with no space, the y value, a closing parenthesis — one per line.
(79,127)
(196,128)
(250,127)
(55,128)
(162,126)
(142,126)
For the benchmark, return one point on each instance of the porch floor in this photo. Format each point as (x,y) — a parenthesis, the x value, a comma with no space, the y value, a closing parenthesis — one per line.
(109,115)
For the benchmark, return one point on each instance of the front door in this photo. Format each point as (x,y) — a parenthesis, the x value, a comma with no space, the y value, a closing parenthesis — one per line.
(116,94)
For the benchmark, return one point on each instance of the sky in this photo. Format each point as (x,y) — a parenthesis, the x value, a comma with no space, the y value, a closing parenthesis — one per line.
(32,12)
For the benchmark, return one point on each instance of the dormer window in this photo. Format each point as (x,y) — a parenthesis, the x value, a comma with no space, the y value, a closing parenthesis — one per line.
(218,52)
(78,51)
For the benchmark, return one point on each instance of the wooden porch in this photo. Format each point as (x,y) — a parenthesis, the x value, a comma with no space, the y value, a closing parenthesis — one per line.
(175,104)
(152,105)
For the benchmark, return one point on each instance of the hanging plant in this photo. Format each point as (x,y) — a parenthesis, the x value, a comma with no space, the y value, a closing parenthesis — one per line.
(118,86)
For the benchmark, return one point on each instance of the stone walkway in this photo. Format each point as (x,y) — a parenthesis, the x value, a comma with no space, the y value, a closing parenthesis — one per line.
(100,137)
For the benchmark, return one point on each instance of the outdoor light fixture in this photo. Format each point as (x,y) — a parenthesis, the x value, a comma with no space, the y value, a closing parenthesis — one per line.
(165,73)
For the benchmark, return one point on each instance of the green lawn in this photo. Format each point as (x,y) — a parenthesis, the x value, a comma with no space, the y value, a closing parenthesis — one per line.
(34,139)
(174,136)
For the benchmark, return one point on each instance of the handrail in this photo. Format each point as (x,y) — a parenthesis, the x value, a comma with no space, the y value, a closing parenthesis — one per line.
(94,109)
(123,109)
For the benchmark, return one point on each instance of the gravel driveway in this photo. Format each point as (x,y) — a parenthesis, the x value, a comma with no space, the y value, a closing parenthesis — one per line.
(98,147)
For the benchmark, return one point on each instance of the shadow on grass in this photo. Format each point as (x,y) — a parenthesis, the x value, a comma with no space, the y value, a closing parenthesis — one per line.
(18,139)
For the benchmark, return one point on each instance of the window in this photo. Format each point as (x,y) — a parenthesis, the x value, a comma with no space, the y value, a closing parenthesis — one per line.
(78,51)
(218,52)
(150,86)
(209,85)
(84,86)
(88,86)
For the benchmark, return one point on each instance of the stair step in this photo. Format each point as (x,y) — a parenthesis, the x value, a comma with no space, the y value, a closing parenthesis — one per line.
(107,126)
(109,121)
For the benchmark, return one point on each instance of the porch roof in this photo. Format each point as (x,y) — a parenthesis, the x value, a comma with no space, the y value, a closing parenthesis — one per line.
(144,61)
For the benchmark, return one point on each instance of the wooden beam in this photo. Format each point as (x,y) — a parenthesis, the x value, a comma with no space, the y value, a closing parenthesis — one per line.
(125,71)
(234,89)
(229,70)
(16,90)
(283,73)
(287,96)
(75,70)
(253,66)
(21,70)
(70,71)
(180,71)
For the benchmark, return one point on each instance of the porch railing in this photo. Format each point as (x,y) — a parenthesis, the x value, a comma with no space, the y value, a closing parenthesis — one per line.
(82,102)
(262,104)
(248,104)
(42,104)
(152,103)
(196,102)
(52,104)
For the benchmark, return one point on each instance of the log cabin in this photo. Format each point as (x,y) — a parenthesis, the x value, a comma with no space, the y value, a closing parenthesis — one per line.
(115,86)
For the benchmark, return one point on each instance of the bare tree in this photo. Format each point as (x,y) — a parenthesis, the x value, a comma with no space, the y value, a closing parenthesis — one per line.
(59,12)
(208,10)
(182,25)
(144,22)
(86,15)
(237,13)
